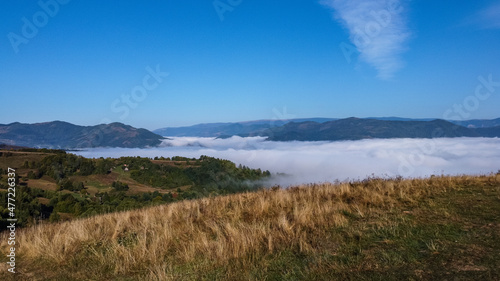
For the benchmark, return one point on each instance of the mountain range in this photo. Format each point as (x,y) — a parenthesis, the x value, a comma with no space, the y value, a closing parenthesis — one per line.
(259,127)
(231,129)
(63,135)
(357,129)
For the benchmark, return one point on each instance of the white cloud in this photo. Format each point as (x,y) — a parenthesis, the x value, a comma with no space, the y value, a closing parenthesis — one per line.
(308,162)
(234,142)
(378,30)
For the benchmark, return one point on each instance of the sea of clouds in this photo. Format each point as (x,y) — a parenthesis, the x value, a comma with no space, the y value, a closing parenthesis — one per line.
(308,162)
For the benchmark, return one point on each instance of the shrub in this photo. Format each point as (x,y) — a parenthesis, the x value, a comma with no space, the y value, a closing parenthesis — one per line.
(119,186)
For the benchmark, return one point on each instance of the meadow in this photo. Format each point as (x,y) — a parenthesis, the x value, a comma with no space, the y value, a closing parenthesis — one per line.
(439,227)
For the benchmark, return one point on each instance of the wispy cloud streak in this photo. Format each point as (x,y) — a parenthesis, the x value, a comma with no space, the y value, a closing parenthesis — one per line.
(488,17)
(378,30)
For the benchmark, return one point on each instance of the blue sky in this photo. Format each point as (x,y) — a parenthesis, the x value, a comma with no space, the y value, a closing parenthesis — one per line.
(154,64)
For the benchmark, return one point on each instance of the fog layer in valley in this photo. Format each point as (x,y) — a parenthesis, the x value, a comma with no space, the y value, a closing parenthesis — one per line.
(308,162)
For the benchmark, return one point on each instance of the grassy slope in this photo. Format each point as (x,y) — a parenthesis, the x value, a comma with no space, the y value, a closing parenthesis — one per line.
(438,228)
(18,157)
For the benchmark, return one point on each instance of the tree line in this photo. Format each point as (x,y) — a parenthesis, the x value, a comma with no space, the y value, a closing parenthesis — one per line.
(206,176)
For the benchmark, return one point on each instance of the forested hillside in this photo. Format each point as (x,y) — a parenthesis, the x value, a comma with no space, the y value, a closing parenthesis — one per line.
(55,185)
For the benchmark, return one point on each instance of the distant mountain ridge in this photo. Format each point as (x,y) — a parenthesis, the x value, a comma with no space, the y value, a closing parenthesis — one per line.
(259,127)
(357,129)
(231,128)
(64,135)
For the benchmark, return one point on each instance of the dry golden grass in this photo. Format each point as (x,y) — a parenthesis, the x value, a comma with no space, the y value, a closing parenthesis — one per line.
(45,183)
(150,242)
(18,157)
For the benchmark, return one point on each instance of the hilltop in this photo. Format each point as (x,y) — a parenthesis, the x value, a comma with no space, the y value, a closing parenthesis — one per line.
(63,135)
(439,228)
